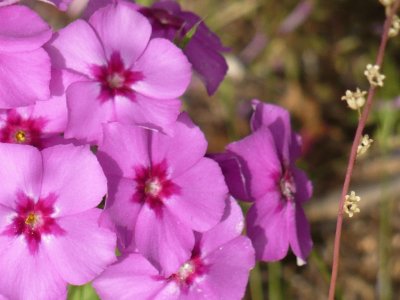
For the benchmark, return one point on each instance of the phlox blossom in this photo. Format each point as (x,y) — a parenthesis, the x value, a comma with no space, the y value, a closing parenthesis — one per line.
(261,168)
(160,189)
(129,77)
(25,65)
(204,48)
(217,269)
(49,231)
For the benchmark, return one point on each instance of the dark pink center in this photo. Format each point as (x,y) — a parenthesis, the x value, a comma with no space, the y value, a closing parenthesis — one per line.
(153,185)
(116,79)
(288,185)
(33,220)
(188,272)
(19,130)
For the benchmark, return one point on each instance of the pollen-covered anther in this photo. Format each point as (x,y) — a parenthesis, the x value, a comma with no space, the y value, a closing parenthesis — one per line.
(365,144)
(355,100)
(115,80)
(350,204)
(152,187)
(20,136)
(373,75)
(186,270)
(395,27)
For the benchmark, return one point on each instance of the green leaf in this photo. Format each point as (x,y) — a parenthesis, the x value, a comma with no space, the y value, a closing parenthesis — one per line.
(188,36)
(84,292)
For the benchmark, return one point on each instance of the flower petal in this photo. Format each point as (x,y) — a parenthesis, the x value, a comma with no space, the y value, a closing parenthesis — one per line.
(183,149)
(85,249)
(21,29)
(122,29)
(230,227)
(201,202)
(76,47)
(259,160)
(20,170)
(124,147)
(299,233)
(267,227)
(122,211)
(86,112)
(24,78)
(27,276)
(165,68)
(236,258)
(132,277)
(163,240)
(74,175)
(156,114)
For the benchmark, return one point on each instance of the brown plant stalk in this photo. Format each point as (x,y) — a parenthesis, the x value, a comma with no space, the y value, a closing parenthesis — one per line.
(353,153)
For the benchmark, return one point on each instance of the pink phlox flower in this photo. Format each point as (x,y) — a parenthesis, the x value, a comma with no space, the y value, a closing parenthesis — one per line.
(203,50)
(25,65)
(261,169)
(128,77)
(49,231)
(217,269)
(161,188)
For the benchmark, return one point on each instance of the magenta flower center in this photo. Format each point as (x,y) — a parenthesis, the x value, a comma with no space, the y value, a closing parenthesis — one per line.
(116,79)
(288,185)
(18,130)
(33,220)
(153,185)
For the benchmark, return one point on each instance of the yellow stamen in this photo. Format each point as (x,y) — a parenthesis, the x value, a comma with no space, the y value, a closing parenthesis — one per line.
(20,136)
(32,219)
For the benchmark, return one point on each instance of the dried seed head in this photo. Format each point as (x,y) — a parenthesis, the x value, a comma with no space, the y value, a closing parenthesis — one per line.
(375,78)
(350,204)
(355,100)
(365,143)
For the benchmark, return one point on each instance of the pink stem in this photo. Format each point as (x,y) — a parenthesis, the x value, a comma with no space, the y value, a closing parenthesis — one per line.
(353,153)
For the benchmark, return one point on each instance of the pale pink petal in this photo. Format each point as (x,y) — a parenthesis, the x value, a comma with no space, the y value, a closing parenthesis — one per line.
(122,210)
(157,114)
(122,29)
(26,276)
(124,147)
(20,171)
(299,234)
(267,227)
(132,277)
(86,112)
(183,149)
(165,68)
(84,250)
(74,175)
(260,164)
(54,111)
(228,270)
(202,195)
(6,215)
(24,78)
(77,47)
(230,227)
(163,240)
(21,29)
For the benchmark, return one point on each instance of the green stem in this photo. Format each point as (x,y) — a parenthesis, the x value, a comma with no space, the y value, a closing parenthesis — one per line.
(256,289)
(274,281)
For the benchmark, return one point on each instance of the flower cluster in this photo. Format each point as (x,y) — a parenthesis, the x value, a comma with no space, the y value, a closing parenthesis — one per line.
(112,79)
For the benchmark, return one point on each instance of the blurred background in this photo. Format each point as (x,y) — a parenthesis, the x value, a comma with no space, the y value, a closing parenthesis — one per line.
(303,55)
